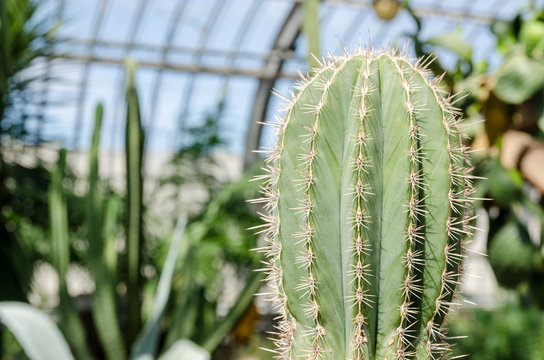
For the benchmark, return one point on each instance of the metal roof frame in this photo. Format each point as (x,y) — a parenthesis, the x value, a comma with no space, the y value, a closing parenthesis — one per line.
(273,59)
(284,41)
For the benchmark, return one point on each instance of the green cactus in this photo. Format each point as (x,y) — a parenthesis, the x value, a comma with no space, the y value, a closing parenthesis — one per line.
(367,201)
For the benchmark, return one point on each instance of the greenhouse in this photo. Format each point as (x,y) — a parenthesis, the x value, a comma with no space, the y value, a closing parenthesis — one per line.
(271,179)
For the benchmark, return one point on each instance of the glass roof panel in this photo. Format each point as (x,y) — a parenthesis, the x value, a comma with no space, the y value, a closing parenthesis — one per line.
(191,52)
(76,25)
(156,21)
(113,29)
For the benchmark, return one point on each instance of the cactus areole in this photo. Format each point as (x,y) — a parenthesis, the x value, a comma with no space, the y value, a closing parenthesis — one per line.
(367,202)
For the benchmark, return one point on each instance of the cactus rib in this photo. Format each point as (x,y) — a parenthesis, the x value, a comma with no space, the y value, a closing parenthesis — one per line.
(367,201)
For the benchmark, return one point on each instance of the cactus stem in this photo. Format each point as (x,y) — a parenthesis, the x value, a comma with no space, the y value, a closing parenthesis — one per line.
(361,272)
(308,284)
(456,229)
(287,326)
(412,286)
(327,168)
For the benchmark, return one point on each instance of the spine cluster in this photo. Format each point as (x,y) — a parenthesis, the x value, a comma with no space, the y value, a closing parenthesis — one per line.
(361,191)
(286,325)
(459,225)
(412,286)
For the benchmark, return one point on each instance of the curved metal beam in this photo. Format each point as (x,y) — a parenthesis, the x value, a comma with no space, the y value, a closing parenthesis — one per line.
(284,41)
(172,28)
(86,72)
(188,89)
(47,83)
(117,124)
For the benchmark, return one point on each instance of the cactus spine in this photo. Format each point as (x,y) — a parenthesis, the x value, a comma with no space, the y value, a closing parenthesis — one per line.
(367,201)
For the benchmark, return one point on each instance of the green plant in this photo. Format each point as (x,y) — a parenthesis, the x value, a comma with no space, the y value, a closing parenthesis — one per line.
(35,331)
(24,37)
(102,218)
(217,238)
(510,331)
(310,26)
(509,145)
(69,320)
(102,262)
(368,199)
(191,270)
(134,146)
(102,229)
(41,340)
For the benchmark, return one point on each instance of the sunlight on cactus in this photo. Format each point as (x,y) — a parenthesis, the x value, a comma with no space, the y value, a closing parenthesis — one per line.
(368,205)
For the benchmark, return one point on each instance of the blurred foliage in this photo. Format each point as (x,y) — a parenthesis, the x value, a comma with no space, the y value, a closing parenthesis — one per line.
(215,249)
(194,164)
(134,207)
(69,319)
(24,37)
(217,236)
(509,332)
(495,102)
(510,97)
(218,239)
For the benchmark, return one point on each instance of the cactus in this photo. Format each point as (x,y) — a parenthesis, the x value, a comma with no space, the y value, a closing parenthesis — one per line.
(134,146)
(367,201)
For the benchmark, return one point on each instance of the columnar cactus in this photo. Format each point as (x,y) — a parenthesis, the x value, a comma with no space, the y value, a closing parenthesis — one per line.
(368,205)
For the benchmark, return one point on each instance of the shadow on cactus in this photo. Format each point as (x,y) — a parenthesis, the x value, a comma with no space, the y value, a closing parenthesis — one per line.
(368,201)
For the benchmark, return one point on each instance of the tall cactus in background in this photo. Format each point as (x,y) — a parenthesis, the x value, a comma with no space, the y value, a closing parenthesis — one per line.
(134,146)
(368,205)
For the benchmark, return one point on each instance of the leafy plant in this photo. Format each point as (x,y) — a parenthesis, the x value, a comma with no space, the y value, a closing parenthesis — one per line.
(213,240)
(504,112)
(510,331)
(217,238)
(368,204)
(103,265)
(38,335)
(195,164)
(41,340)
(24,37)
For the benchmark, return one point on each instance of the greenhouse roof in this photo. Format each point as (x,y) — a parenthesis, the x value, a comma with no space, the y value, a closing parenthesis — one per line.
(195,53)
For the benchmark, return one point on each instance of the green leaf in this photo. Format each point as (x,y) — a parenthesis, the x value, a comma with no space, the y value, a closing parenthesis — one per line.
(240,307)
(502,184)
(504,30)
(519,78)
(532,34)
(185,350)
(511,254)
(145,346)
(453,41)
(35,331)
